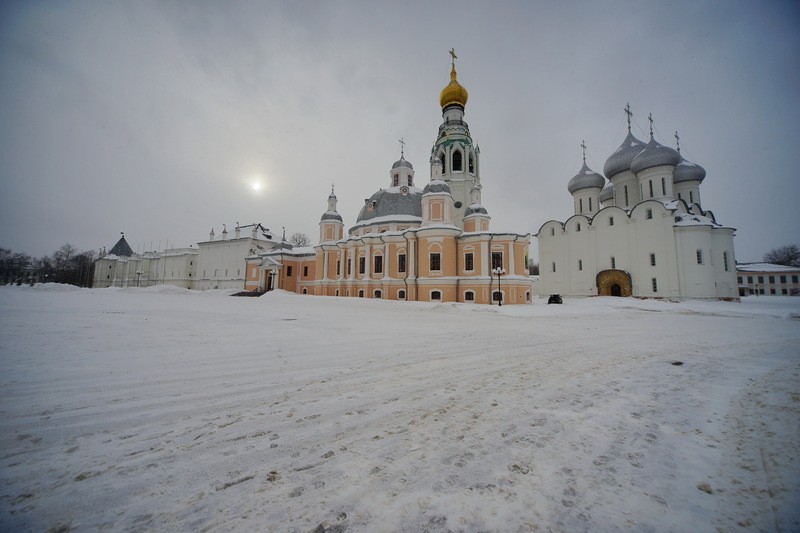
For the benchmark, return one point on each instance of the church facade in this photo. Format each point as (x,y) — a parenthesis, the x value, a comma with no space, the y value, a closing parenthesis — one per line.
(642,233)
(411,241)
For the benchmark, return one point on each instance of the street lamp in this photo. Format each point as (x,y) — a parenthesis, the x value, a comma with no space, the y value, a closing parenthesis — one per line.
(499,272)
(138,276)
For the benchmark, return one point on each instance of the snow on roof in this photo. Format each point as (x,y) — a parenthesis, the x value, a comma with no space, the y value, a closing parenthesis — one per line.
(765,267)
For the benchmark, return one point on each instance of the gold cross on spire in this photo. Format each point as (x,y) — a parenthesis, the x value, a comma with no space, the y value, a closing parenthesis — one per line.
(630,114)
(453,54)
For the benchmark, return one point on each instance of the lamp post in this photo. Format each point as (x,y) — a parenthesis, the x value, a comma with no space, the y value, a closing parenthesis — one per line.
(138,276)
(499,272)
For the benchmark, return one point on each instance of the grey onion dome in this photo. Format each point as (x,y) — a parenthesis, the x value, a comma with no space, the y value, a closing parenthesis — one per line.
(606,194)
(402,163)
(586,178)
(654,155)
(475,209)
(436,186)
(331,215)
(392,202)
(687,171)
(621,159)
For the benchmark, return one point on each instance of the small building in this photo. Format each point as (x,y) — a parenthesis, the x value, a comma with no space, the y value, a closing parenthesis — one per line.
(768,279)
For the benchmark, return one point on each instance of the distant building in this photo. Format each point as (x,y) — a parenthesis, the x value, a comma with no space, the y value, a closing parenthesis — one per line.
(218,263)
(768,279)
(643,233)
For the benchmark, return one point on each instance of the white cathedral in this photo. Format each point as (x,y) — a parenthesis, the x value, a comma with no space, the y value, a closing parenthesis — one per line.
(643,233)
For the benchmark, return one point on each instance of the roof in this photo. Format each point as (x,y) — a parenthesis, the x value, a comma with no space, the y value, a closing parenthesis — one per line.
(121,249)
(621,159)
(654,155)
(391,202)
(765,267)
(586,178)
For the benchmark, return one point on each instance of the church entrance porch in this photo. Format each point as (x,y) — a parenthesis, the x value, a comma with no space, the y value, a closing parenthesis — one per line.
(613,282)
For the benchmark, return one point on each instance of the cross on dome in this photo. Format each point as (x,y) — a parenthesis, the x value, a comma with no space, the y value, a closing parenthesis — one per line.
(678,141)
(630,114)
(650,118)
(453,54)
(583,146)
(402,147)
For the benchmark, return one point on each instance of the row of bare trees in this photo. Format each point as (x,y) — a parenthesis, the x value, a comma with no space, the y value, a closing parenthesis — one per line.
(65,265)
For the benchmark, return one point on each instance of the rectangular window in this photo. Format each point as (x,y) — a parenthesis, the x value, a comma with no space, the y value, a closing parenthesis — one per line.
(663,187)
(784,291)
(725,261)
(350,267)
(305,271)
(554,266)
(338,267)
(783,279)
(580,203)
(497,260)
(610,221)
(772,279)
(738,279)
(652,260)
(362,265)
(580,264)
(699,257)
(469,262)
(760,291)
(749,279)
(436,262)
(401,263)
(613,263)
(590,205)
(379,264)
(794,279)
(655,285)
(288,271)
(626,196)
(691,197)
(648,214)
(761,279)
(651,187)
(772,291)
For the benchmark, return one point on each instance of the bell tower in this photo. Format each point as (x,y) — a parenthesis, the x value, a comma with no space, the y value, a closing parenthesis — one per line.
(454,147)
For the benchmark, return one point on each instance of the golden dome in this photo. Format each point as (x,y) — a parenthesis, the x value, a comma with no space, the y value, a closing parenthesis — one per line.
(454,93)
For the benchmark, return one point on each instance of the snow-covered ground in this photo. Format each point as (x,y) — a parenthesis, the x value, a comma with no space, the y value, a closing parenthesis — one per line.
(171,410)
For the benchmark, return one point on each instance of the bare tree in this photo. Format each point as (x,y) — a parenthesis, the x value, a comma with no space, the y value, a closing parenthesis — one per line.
(788,255)
(299,239)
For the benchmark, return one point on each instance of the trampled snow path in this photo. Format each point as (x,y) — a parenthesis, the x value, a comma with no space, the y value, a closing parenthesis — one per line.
(164,409)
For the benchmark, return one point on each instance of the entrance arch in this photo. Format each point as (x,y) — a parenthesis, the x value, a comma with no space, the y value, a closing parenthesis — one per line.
(613,282)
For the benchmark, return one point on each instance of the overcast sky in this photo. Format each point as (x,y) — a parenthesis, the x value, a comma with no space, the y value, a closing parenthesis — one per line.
(156,118)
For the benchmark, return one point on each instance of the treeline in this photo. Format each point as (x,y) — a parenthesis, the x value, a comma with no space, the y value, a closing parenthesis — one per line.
(66,265)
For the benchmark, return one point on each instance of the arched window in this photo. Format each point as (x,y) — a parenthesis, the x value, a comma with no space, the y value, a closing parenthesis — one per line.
(469,296)
(305,291)
(527,296)
(443,159)
(578,226)
(471,164)
(396,180)
(458,164)
(337,292)
(361,293)
(377,294)
(401,294)
(436,295)
(648,214)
